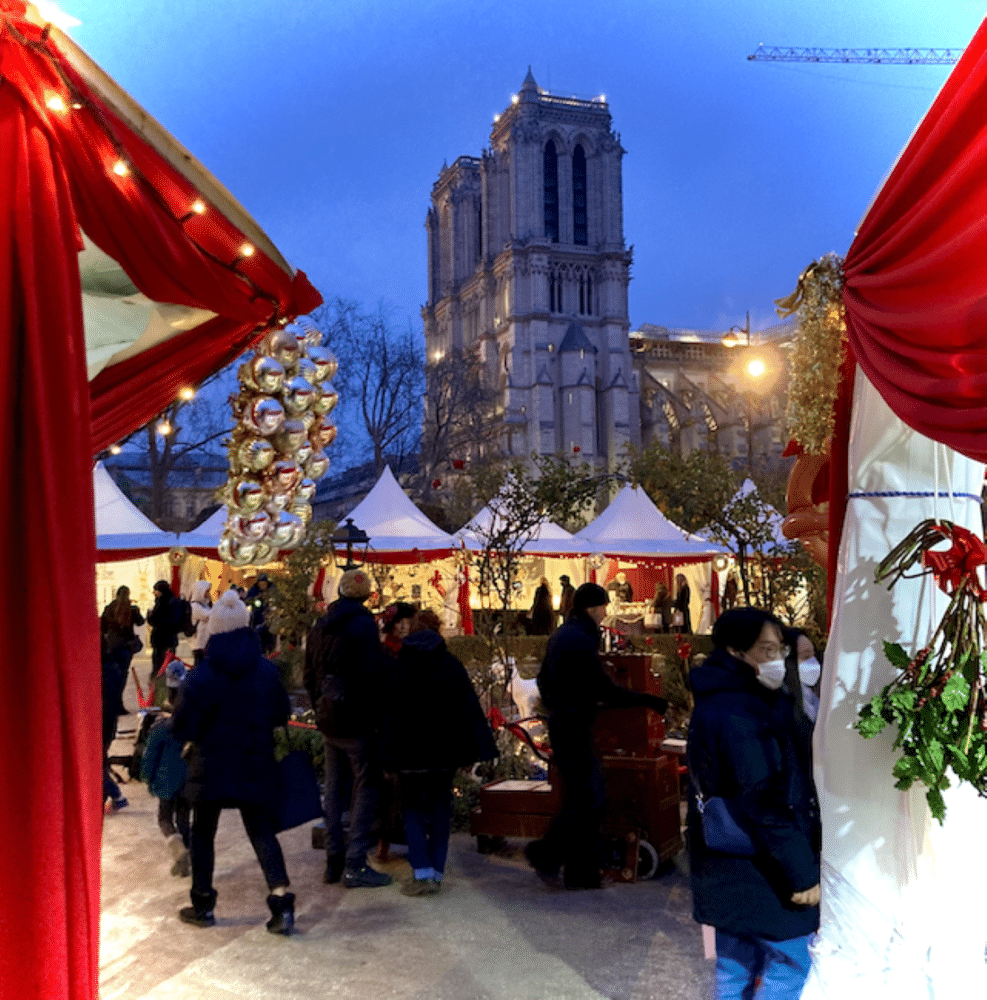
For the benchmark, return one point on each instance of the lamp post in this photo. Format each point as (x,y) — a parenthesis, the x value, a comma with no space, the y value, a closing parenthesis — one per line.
(350,535)
(754,369)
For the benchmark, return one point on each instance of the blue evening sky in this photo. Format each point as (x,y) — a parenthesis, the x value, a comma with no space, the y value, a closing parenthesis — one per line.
(329,121)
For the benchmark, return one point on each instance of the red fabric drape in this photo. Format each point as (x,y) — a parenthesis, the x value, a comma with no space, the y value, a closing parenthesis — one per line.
(50,801)
(55,177)
(916,274)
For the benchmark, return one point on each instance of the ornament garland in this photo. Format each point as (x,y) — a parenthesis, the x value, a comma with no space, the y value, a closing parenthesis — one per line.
(937,700)
(818,351)
(277,447)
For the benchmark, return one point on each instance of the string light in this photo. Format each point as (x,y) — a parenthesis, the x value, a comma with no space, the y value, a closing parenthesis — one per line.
(55,103)
(246,250)
(198,206)
(121,169)
(163,427)
(115,449)
(186,394)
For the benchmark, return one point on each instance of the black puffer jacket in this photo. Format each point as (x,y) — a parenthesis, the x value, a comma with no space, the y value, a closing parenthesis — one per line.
(434,716)
(743,746)
(229,707)
(345,671)
(572,681)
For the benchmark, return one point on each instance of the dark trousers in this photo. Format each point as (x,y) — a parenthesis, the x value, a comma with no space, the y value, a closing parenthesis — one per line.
(258,821)
(426,803)
(573,839)
(174,817)
(351,758)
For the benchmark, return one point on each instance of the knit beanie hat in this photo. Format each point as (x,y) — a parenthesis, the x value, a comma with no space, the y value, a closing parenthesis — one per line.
(175,673)
(589,595)
(355,584)
(228,614)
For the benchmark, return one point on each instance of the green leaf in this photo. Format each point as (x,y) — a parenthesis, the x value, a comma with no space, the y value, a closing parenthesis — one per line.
(903,699)
(933,757)
(956,693)
(959,762)
(897,657)
(870,722)
(907,767)
(936,804)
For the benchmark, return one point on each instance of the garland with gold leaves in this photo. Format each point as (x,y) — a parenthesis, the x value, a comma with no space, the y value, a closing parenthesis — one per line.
(818,351)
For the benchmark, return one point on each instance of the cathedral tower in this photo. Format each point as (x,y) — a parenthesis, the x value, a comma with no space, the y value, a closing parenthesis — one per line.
(527,266)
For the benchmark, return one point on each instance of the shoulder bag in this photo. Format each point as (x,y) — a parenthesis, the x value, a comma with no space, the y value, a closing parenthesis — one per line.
(721,831)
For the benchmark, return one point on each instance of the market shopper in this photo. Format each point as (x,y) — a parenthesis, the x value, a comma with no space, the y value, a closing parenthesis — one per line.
(744,748)
(201,606)
(567,593)
(543,616)
(572,683)
(426,757)
(119,639)
(345,676)
(165,619)
(681,615)
(225,719)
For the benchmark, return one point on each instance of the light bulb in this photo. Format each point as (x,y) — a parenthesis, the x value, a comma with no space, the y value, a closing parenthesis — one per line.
(115,449)
(163,428)
(55,103)
(246,250)
(756,368)
(198,206)
(120,168)
(186,393)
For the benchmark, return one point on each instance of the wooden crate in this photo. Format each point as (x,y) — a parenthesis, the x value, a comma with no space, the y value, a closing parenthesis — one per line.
(636,732)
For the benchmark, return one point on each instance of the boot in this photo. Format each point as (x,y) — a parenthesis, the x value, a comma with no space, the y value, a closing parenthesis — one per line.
(282,913)
(183,865)
(200,912)
(335,863)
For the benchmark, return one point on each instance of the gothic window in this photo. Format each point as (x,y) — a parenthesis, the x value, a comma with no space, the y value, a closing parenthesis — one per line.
(585,294)
(551,192)
(579,234)
(555,292)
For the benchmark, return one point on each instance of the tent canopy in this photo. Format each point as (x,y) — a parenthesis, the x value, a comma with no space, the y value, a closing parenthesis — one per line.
(633,526)
(122,531)
(395,526)
(547,539)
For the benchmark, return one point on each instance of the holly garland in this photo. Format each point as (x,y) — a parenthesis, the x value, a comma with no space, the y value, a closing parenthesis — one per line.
(937,700)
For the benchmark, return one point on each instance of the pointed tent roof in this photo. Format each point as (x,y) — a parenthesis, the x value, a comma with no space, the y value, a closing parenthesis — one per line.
(204,540)
(633,526)
(122,531)
(774,518)
(394,523)
(549,538)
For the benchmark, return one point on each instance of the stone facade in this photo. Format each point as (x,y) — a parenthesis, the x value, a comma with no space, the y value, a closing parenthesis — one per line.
(527,267)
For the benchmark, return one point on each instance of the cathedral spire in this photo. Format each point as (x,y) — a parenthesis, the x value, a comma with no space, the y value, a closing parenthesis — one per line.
(529,83)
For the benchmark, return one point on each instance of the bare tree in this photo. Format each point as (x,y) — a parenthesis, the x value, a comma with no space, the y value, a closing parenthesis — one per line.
(381,377)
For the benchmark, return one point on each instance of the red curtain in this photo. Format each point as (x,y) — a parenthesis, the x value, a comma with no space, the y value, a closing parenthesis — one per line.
(916,274)
(56,177)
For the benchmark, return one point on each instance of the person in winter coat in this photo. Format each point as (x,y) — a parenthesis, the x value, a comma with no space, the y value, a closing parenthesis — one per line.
(395,625)
(566,595)
(164,770)
(543,616)
(683,595)
(345,672)
(228,709)
(662,607)
(165,619)
(259,599)
(112,682)
(744,747)
(201,603)
(117,627)
(572,683)
(426,757)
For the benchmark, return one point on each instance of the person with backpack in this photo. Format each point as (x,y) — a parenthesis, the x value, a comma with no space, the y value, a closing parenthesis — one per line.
(345,676)
(165,620)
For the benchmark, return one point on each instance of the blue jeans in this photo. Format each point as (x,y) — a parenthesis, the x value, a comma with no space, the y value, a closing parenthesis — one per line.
(782,967)
(426,804)
(354,757)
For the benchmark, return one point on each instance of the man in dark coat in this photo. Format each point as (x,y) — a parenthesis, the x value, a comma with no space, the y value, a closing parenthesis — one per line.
(572,683)
(745,748)
(345,679)
(426,757)
(228,708)
(165,619)
(566,596)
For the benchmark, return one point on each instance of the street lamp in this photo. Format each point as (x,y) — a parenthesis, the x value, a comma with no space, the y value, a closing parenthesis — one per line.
(732,340)
(350,535)
(754,369)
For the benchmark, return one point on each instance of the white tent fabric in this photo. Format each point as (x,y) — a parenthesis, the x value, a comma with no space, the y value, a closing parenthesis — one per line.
(120,526)
(903,912)
(547,539)
(633,526)
(205,538)
(393,523)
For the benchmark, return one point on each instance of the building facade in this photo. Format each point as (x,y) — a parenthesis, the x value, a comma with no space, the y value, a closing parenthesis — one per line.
(527,267)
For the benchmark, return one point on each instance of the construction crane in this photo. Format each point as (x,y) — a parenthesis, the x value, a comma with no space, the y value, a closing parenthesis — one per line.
(891,57)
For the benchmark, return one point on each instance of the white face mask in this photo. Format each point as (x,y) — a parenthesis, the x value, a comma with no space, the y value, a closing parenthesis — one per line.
(810,671)
(771,674)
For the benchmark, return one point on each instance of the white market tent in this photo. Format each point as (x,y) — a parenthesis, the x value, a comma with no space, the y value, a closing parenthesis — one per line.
(633,526)
(547,539)
(123,531)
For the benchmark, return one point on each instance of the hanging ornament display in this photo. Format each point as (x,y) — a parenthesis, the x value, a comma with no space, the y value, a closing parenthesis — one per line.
(276,449)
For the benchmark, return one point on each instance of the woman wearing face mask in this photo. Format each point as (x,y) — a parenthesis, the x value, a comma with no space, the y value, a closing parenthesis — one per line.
(802,673)
(744,746)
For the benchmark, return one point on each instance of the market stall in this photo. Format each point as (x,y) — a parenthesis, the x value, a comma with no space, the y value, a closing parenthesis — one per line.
(77,156)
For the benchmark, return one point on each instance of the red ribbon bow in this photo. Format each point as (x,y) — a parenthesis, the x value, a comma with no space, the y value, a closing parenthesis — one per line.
(959,562)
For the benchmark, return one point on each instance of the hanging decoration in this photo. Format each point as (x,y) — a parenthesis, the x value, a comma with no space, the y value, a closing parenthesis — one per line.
(817,353)
(277,447)
(937,700)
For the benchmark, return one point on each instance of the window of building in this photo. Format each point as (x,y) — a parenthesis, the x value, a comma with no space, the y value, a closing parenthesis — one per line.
(585,295)
(551,192)
(579,232)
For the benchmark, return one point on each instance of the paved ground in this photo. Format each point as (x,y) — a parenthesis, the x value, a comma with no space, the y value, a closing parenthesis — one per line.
(493,933)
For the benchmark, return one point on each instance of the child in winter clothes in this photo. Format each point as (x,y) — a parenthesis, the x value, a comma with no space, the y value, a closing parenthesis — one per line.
(164,770)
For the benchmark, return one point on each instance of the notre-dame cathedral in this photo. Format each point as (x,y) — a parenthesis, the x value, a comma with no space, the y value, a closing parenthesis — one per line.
(528,268)
(527,265)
